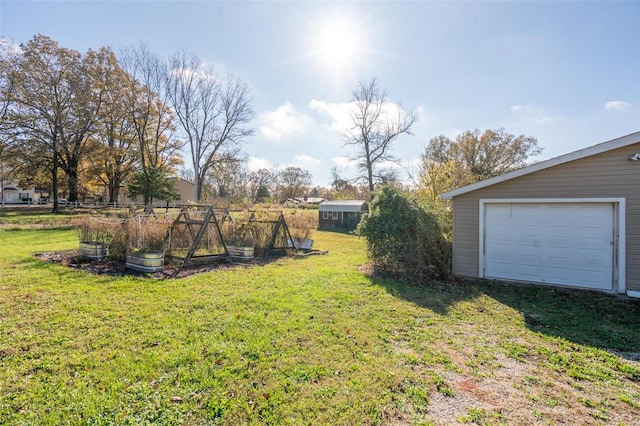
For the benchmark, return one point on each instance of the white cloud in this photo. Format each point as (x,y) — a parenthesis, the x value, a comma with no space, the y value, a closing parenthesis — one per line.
(536,114)
(617,106)
(551,119)
(341,161)
(255,163)
(339,113)
(531,109)
(304,160)
(284,121)
(390,165)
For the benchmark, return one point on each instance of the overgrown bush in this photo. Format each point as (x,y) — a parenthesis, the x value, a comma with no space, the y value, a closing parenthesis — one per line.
(405,240)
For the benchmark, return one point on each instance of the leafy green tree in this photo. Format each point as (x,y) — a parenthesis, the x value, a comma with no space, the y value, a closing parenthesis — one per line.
(405,240)
(262,194)
(152,184)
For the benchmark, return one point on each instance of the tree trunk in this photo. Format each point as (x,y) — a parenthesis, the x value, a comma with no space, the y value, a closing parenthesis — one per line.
(114,191)
(199,181)
(115,181)
(54,183)
(72,175)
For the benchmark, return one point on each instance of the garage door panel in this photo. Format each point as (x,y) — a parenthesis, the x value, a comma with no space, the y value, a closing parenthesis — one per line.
(559,274)
(562,243)
(529,273)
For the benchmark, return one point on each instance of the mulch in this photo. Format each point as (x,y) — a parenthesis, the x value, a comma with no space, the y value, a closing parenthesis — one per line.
(117,268)
(111,267)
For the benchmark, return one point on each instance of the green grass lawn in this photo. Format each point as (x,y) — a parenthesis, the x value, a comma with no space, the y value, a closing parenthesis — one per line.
(299,341)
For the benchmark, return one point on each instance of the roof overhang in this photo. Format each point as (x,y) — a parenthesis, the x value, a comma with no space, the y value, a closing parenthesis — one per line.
(342,206)
(556,161)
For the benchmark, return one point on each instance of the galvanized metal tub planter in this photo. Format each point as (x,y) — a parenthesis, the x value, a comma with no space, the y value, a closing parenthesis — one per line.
(93,250)
(145,261)
(241,253)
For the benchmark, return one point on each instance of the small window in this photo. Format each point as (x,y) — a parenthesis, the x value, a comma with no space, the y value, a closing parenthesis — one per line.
(325,215)
(335,215)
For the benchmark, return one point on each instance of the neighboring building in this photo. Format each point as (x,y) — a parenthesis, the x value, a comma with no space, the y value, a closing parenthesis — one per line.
(306,200)
(185,189)
(573,220)
(13,194)
(343,214)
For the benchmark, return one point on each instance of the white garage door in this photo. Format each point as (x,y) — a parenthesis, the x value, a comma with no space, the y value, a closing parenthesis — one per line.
(558,243)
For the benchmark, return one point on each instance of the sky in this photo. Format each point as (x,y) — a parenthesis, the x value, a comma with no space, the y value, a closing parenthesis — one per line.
(564,72)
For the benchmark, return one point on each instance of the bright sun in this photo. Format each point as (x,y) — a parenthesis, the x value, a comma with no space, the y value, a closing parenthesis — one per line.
(337,44)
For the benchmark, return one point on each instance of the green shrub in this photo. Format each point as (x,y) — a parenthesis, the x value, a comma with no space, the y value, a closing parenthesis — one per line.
(405,240)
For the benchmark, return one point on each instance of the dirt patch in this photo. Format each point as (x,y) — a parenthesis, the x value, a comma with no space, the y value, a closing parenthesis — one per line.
(117,268)
(494,393)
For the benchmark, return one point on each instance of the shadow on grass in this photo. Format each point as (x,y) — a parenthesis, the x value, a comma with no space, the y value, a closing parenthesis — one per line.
(436,296)
(584,317)
(587,317)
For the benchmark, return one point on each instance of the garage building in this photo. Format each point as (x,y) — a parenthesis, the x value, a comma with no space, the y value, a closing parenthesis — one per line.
(573,220)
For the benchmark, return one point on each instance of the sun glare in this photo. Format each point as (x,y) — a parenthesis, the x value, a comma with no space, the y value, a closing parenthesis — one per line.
(337,44)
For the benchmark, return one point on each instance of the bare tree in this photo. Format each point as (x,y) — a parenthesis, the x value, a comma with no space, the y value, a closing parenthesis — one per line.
(294,182)
(148,107)
(260,184)
(230,179)
(376,124)
(213,113)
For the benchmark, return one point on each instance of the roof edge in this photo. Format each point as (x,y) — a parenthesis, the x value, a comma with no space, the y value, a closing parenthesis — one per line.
(556,161)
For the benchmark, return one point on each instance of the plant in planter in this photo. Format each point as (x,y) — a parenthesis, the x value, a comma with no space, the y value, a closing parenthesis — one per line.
(241,246)
(147,238)
(301,227)
(93,236)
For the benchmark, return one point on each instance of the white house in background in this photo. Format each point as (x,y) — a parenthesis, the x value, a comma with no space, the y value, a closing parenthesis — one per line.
(306,200)
(572,221)
(13,194)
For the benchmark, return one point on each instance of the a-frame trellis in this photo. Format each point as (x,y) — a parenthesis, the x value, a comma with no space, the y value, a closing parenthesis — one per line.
(274,230)
(196,236)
